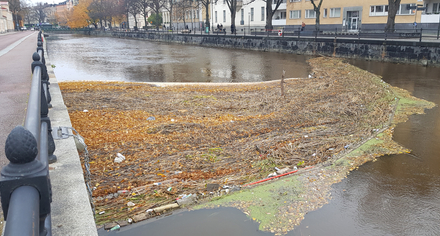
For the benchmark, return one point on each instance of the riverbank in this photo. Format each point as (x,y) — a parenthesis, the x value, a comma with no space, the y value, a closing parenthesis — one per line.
(191,138)
(412,51)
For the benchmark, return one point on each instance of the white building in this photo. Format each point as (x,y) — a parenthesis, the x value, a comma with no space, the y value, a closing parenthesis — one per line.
(250,16)
(6,21)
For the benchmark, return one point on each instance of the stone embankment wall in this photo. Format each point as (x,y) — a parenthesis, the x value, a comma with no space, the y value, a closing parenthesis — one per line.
(424,53)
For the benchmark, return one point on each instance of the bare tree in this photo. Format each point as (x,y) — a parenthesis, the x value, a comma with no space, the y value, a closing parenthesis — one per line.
(96,12)
(393,7)
(317,9)
(144,4)
(169,6)
(15,8)
(156,6)
(135,9)
(234,6)
(39,12)
(206,4)
(270,12)
(182,9)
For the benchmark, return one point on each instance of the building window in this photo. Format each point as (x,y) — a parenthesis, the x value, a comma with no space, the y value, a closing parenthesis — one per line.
(262,13)
(435,8)
(405,9)
(283,15)
(295,14)
(379,10)
(335,12)
(224,1)
(224,15)
(252,14)
(310,14)
(242,14)
(325,13)
(215,14)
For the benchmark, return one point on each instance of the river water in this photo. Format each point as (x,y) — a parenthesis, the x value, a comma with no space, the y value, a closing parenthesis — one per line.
(88,58)
(396,195)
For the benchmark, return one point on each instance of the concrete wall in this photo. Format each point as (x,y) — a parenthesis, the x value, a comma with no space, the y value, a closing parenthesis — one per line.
(425,53)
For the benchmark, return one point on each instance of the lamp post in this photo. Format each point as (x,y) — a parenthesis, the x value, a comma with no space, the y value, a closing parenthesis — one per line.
(249,13)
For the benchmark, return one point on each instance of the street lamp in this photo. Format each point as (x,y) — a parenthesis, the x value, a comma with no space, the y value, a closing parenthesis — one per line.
(249,13)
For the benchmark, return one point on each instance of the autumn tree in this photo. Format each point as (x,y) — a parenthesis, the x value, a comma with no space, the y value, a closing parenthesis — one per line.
(317,9)
(270,12)
(393,7)
(79,16)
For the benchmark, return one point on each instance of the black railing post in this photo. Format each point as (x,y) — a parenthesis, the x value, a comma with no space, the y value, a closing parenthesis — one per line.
(421,32)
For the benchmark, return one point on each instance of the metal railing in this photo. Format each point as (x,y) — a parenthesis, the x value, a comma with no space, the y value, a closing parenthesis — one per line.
(412,34)
(25,184)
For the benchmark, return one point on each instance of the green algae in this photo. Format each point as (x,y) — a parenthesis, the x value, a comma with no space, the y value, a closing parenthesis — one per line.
(262,202)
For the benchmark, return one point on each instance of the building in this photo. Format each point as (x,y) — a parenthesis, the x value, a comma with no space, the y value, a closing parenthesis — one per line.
(6,21)
(250,15)
(62,10)
(352,15)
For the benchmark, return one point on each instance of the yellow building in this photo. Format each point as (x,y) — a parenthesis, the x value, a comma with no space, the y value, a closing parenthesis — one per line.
(351,15)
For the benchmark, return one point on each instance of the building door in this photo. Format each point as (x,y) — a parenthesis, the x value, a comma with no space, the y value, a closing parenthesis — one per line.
(352,20)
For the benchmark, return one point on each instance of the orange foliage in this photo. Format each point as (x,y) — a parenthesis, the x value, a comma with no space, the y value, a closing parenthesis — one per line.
(79,17)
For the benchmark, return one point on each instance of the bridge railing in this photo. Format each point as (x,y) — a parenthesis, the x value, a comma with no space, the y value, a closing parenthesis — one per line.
(25,187)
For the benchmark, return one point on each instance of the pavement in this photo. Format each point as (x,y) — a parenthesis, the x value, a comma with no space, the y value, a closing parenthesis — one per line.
(70,209)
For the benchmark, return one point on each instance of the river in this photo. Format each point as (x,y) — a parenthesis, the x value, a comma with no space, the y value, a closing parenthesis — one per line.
(396,195)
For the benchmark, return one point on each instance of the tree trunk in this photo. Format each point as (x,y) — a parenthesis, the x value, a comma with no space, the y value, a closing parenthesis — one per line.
(207,23)
(393,6)
(145,21)
(128,25)
(233,13)
(318,14)
(269,15)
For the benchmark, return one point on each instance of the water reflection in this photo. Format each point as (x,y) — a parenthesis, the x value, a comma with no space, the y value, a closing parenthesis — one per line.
(91,58)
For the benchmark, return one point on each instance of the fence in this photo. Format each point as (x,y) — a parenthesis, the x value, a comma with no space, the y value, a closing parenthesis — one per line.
(25,184)
(416,34)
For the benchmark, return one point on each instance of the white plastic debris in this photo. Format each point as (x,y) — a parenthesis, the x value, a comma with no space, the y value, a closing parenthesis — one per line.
(119,158)
(86,111)
(149,210)
(129,220)
(130,204)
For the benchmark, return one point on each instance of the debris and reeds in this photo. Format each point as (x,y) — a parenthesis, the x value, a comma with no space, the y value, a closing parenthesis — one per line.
(178,139)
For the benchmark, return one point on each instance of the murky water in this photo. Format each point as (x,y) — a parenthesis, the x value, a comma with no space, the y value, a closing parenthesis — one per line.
(90,58)
(396,195)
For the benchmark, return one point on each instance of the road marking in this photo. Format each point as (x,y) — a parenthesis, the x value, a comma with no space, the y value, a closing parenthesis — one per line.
(10,47)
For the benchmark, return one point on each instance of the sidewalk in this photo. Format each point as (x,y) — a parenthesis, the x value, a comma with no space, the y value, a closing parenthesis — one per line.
(70,209)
